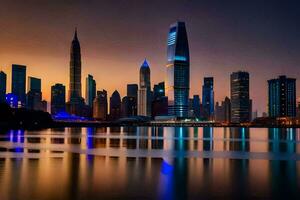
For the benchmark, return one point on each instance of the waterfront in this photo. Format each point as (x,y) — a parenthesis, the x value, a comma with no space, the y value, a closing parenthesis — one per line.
(150,163)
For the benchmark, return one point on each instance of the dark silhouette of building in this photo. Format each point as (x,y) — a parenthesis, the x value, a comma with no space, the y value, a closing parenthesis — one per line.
(18,83)
(159,90)
(90,90)
(282,97)
(58,98)
(240,101)
(115,106)
(222,111)
(160,106)
(132,90)
(34,94)
(208,98)
(128,107)
(197,106)
(178,71)
(3,79)
(144,95)
(76,104)
(100,105)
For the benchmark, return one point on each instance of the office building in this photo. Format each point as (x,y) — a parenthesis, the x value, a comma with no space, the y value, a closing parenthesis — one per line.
(128,107)
(100,106)
(159,90)
(34,94)
(18,83)
(208,98)
(282,97)
(90,90)
(240,101)
(144,95)
(197,106)
(177,83)
(115,106)
(58,99)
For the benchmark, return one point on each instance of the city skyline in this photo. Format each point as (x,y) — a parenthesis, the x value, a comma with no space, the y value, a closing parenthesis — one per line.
(101,63)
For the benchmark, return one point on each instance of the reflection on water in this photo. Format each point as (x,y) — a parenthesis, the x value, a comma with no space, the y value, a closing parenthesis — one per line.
(150,163)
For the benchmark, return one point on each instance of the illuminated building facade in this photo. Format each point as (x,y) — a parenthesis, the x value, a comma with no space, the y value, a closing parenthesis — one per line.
(58,98)
(208,98)
(144,95)
(178,71)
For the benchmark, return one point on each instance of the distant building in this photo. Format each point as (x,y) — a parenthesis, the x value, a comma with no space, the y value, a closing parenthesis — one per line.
(178,71)
(208,98)
(11,100)
(132,90)
(144,95)
(159,90)
(58,98)
(18,83)
(160,106)
(90,90)
(191,109)
(76,105)
(3,79)
(240,101)
(115,106)
(100,105)
(197,106)
(282,97)
(128,107)
(34,94)
(222,111)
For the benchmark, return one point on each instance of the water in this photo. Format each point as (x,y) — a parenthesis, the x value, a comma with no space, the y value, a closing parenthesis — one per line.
(150,163)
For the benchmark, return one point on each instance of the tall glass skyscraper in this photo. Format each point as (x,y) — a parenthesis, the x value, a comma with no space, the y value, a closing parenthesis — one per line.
(144,96)
(178,71)
(240,101)
(90,90)
(34,94)
(3,79)
(208,98)
(18,83)
(282,97)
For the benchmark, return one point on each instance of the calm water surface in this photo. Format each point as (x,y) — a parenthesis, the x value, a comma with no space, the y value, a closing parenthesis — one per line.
(150,163)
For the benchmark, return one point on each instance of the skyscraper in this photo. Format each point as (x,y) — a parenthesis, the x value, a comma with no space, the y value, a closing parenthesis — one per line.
(128,107)
(76,102)
(115,106)
(100,105)
(58,98)
(240,101)
(34,94)
(3,79)
(144,96)
(208,98)
(90,90)
(18,83)
(132,90)
(282,97)
(196,106)
(178,70)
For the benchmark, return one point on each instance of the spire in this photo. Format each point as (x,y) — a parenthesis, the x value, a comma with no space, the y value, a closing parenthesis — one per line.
(145,63)
(75,35)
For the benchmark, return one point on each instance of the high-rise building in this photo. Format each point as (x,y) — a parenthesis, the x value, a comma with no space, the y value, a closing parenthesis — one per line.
(160,106)
(90,90)
(178,71)
(282,97)
(222,111)
(58,98)
(18,83)
(227,110)
(159,90)
(128,107)
(115,106)
(3,79)
(240,101)
(132,90)
(144,96)
(197,106)
(34,94)
(76,104)
(208,98)
(100,106)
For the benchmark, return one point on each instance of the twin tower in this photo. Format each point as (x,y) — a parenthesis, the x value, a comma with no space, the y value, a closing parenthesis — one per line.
(177,83)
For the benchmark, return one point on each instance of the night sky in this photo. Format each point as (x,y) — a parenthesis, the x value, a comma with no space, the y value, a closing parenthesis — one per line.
(261,37)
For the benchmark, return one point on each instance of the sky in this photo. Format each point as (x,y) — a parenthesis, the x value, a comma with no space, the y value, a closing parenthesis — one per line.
(261,37)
